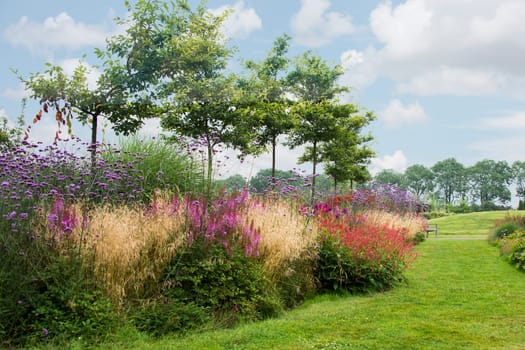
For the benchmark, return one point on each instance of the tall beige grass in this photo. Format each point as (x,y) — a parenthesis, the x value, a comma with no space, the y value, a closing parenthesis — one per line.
(409,224)
(128,248)
(286,238)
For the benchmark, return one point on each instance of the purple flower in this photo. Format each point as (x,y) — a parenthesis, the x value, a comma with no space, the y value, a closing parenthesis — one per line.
(45,331)
(5,184)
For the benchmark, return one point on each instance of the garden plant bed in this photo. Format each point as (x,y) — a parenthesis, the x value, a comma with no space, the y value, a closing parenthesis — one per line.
(459,294)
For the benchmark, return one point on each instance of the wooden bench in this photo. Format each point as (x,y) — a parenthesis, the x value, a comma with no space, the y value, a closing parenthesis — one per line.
(432,228)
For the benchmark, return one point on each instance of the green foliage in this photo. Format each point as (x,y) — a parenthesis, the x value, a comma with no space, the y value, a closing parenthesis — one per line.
(450,179)
(518,169)
(333,265)
(264,105)
(489,181)
(518,257)
(389,177)
(505,229)
(341,269)
(509,235)
(164,316)
(435,214)
(47,297)
(462,208)
(419,180)
(235,183)
(263,181)
(419,238)
(223,280)
(160,164)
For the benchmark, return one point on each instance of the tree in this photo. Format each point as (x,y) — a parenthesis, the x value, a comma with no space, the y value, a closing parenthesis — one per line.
(176,56)
(265,179)
(314,83)
(389,177)
(450,179)
(518,168)
(347,155)
(9,134)
(235,183)
(264,104)
(489,181)
(124,93)
(65,95)
(419,180)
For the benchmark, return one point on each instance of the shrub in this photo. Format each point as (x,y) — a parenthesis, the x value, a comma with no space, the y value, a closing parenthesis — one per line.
(384,197)
(222,279)
(435,215)
(162,316)
(49,298)
(358,256)
(505,229)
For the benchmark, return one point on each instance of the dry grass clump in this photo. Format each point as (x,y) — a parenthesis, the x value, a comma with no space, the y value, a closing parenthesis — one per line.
(128,248)
(286,247)
(409,224)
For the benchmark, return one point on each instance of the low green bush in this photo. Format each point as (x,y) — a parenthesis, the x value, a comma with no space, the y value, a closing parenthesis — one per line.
(512,247)
(435,214)
(220,279)
(163,316)
(49,298)
(418,238)
(505,229)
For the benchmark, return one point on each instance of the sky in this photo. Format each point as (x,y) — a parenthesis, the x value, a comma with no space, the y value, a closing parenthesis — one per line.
(445,78)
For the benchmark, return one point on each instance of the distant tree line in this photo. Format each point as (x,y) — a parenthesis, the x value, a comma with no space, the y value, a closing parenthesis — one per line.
(448,184)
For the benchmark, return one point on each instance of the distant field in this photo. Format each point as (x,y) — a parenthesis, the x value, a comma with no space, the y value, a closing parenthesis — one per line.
(472,224)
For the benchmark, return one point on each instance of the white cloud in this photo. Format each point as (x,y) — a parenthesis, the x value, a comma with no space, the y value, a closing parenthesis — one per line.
(360,69)
(403,28)
(396,161)
(508,148)
(69,65)
(241,22)
(314,26)
(454,47)
(15,93)
(453,81)
(61,31)
(151,127)
(511,122)
(396,114)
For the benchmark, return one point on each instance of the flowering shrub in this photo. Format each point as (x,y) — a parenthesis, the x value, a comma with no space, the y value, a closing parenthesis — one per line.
(38,186)
(509,235)
(360,251)
(218,268)
(387,198)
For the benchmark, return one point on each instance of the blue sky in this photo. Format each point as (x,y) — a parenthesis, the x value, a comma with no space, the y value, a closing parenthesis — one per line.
(446,78)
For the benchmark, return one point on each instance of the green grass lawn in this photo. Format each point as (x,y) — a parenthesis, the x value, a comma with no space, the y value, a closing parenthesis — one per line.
(459,294)
(472,224)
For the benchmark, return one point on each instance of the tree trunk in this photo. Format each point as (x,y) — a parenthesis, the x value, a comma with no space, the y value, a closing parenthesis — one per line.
(210,168)
(314,154)
(274,146)
(93,148)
